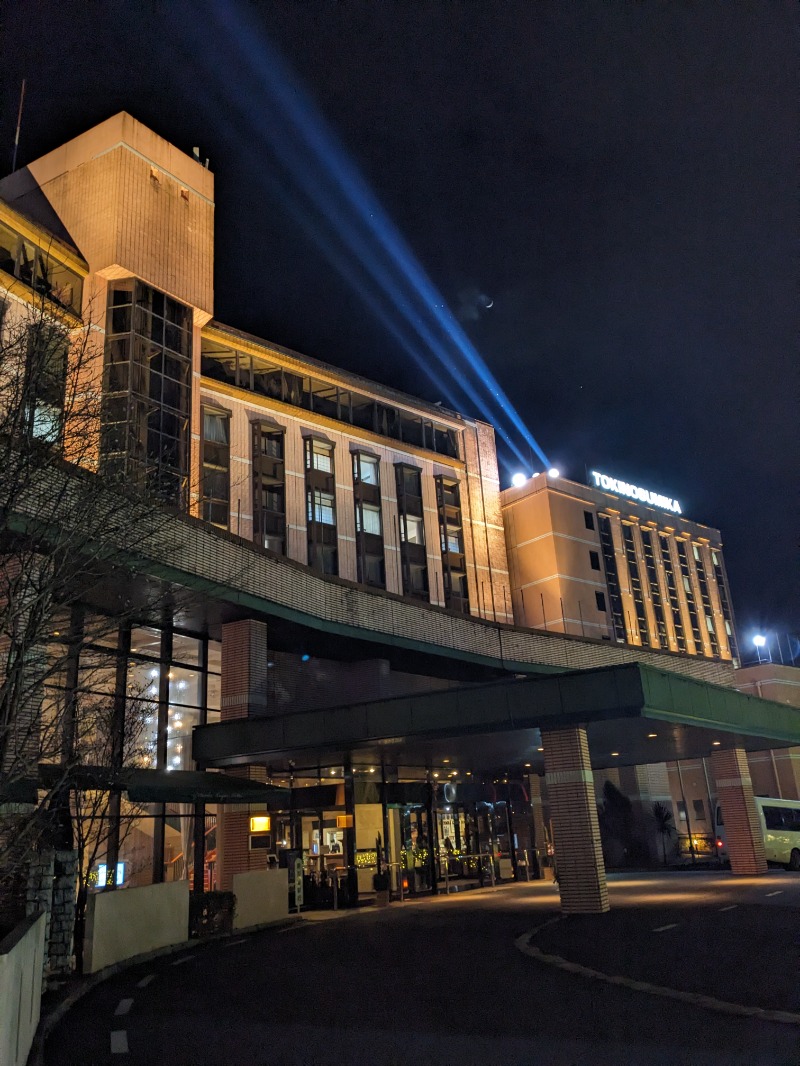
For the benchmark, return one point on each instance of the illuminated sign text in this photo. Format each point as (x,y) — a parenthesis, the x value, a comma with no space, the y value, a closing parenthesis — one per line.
(634,492)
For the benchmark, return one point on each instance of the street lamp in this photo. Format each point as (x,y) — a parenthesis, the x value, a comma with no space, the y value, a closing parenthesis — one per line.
(759,640)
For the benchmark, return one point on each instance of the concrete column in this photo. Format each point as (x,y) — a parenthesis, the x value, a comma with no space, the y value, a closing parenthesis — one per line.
(576,832)
(735,797)
(244,670)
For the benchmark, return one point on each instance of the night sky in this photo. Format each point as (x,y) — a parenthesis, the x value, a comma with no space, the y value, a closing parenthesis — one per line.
(618,180)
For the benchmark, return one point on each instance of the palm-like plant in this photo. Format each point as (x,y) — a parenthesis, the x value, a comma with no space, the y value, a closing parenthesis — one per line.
(665,826)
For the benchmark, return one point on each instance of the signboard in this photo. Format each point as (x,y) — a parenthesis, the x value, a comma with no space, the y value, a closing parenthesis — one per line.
(634,492)
(298,883)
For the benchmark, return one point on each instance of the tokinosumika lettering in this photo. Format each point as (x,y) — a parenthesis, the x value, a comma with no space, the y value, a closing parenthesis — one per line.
(634,492)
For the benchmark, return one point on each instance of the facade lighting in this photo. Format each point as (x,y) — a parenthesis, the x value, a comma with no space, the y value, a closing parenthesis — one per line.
(554,472)
(518,480)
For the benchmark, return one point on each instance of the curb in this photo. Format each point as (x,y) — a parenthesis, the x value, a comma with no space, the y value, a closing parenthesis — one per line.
(48,1021)
(721,1006)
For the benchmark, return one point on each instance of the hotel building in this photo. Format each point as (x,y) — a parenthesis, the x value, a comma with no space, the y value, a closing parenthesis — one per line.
(337,579)
(615,562)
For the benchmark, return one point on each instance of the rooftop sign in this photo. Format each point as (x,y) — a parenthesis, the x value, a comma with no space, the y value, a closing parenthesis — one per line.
(634,492)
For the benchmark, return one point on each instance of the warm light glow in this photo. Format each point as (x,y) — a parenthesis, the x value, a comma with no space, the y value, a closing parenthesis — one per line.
(615,753)
(435,775)
(759,640)
(540,749)
(716,743)
(344,821)
(554,472)
(518,480)
(527,764)
(260,823)
(372,769)
(652,735)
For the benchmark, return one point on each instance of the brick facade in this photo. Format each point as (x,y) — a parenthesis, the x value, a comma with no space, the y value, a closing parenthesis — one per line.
(742,831)
(576,831)
(244,669)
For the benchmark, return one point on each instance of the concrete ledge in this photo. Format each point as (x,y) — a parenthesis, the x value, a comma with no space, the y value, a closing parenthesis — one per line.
(262,897)
(21,963)
(132,921)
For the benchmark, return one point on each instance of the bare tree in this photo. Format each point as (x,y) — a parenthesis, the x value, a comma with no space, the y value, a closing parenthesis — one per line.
(69,538)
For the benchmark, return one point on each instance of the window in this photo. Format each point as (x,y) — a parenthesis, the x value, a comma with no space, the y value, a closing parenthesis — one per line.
(451,541)
(146,393)
(594,559)
(681,810)
(696,551)
(319,456)
(269,488)
(321,508)
(38,270)
(413,530)
(368,519)
(45,381)
(216,467)
(600,600)
(419,580)
(699,810)
(374,571)
(366,469)
(588,519)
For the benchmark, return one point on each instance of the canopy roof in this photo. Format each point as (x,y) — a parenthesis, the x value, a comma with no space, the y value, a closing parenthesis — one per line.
(633,714)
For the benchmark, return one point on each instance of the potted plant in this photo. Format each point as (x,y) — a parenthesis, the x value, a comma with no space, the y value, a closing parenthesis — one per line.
(380,879)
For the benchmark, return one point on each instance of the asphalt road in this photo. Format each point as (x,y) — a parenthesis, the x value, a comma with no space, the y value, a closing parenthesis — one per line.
(443,981)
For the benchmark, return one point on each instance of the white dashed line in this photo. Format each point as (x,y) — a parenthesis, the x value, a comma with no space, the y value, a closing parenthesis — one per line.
(732,907)
(664,928)
(119,1042)
(145,981)
(778,893)
(180,962)
(123,1007)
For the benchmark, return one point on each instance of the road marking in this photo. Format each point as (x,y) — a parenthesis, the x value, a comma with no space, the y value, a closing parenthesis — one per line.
(123,1007)
(179,962)
(708,1002)
(241,940)
(145,981)
(778,893)
(732,907)
(119,1042)
(664,928)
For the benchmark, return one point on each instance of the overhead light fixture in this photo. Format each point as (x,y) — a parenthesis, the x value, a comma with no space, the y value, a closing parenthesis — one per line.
(652,735)
(554,472)
(518,480)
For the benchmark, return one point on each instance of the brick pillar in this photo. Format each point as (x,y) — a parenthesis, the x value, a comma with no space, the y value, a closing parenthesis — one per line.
(244,670)
(576,832)
(244,695)
(735,796)
(233,833)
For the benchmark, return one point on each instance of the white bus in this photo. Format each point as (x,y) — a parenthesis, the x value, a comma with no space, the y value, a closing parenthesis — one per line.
(780,827)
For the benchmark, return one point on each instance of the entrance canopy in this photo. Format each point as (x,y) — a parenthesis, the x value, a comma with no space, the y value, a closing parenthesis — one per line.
(633,714)
(163,786)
